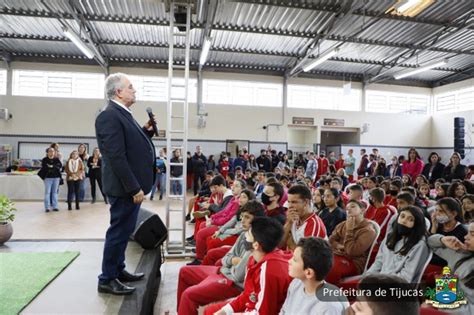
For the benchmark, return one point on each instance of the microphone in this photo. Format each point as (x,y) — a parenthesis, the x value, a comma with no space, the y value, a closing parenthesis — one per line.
(153,122)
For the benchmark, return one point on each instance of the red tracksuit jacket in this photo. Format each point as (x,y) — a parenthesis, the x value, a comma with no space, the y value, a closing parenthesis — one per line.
(266,284)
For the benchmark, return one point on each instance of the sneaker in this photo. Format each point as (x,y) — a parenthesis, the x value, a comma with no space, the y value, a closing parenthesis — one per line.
(192,221)
(161,197)
(191,243)
(55,209)
(46,210)
(195,262)
(190,238)
(188,217)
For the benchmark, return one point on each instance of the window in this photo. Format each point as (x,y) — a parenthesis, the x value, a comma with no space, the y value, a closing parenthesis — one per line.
(152,88)
(318,97)
(242,93)
(393,102)
(3,82)
(58,84)
(454,101)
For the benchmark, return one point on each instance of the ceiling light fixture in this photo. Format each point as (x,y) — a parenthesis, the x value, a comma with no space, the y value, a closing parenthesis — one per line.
(420,69)
(205,51)
(320,59)
(79,43)
(405,5)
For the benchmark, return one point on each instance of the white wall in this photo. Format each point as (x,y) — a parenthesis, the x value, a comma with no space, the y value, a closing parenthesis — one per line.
(443,123)
(75,117)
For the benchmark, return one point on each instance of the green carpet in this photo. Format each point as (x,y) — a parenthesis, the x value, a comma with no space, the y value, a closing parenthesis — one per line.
(24,275)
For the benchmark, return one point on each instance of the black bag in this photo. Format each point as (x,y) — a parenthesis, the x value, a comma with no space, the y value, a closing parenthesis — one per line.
(42,173)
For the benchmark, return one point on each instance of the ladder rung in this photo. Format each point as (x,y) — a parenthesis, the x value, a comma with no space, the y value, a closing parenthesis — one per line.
(180,99)
(180,24)
(174,229)
(179,66)
(178,85)
(179,34)
(176,131)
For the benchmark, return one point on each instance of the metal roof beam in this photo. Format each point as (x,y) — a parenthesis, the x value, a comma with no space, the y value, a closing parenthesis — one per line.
(436,39)
(215,49)
(359,12)
(243,29)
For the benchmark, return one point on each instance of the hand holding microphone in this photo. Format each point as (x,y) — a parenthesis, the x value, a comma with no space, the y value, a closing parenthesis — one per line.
(151,122)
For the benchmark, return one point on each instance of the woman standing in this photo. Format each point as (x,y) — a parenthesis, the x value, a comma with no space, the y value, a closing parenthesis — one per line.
(94,163)
(252,165)
(51,174)
(413,166)
(84,156)
(75,175)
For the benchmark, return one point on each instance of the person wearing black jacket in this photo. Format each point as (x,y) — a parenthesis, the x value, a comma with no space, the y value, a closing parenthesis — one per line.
(433,169)
(455,170)
(94,164)
(176,171)
(199,168)
(50,172)
(263,162)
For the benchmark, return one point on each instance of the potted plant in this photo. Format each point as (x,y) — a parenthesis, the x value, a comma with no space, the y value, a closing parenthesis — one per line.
(6,217)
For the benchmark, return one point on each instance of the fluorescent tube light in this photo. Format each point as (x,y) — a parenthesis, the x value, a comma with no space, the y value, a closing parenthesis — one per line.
(319,60)
(420,69)
(79,43)
(405,5)
(205,51)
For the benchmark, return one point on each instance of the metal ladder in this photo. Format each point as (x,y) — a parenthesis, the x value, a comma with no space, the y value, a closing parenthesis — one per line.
(177,130)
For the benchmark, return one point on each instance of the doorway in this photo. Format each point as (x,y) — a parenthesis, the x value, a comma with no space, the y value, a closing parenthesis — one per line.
(332,138)
(234,146)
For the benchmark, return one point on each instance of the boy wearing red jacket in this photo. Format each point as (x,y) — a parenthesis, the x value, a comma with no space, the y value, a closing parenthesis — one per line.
(267,280)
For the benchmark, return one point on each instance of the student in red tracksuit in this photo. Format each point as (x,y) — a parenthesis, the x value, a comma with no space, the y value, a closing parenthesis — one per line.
(267,280)
(224,167)
(301,221)
(323,165)
(379,213)
(201,285)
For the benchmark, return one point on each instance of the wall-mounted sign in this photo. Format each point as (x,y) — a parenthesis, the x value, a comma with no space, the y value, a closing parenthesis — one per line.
(333,122)
(161,133)
(307,121)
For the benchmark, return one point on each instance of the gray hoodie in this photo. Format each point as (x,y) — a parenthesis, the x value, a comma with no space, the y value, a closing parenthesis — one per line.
(236,273)
(407,267)
(452,257)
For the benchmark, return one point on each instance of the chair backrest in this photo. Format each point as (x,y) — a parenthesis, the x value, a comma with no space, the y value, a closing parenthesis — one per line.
(376,227)
(425,265)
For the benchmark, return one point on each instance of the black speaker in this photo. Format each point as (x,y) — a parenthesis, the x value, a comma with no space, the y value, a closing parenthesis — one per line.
(150,232)
(459,134)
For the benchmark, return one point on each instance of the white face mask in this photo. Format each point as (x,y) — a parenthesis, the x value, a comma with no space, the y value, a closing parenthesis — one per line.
(442,219)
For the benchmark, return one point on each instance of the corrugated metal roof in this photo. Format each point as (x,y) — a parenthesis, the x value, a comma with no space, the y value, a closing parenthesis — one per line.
(251,34)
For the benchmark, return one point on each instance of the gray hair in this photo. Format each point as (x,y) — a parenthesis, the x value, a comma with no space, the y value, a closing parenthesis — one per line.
(114,82)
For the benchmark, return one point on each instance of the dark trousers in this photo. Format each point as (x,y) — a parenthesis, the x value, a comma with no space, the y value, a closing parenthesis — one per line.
(73,191)
(123,217)
(93,177)
(199,178)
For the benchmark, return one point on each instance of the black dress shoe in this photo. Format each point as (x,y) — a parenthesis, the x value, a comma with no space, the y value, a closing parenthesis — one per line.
(126,276)
(115,287)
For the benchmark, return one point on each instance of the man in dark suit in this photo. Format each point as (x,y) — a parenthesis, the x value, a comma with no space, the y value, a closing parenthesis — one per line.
(128,159)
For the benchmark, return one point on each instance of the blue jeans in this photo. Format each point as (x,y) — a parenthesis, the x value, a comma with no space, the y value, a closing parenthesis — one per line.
(123,218)
(176,187)
(161,179)
(82,190)
(51,186)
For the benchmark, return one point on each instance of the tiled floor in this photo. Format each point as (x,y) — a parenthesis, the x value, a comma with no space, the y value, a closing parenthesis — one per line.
(90,223)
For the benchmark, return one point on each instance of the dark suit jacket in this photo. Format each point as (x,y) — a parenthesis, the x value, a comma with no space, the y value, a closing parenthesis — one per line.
(437,172)
(128,154)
